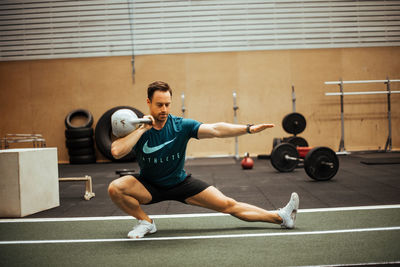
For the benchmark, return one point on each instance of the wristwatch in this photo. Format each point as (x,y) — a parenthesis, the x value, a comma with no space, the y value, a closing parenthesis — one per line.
(248,128)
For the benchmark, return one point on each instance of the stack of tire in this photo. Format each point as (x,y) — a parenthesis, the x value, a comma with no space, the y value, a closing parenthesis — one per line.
(79,138)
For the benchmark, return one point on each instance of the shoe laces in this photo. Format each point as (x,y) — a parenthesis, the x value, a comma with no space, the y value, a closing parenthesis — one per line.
(142,225)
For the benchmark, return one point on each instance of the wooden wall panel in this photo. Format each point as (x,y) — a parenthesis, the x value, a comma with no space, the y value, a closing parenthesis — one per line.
(310,69)
(35,96)
(211,78)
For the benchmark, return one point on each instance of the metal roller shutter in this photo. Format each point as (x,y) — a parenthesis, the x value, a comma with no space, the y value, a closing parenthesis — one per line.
(65,29)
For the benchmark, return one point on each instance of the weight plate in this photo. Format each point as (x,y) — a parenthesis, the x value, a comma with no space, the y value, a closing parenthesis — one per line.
(315,163)
(278,160)
(276,142)
(294,123)
(297,141)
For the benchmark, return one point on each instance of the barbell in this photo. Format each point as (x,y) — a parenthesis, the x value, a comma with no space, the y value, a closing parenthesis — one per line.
(320,163)
(125,121)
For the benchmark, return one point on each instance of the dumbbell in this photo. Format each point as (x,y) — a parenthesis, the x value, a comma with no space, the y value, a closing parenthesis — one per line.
(123,172)
(320,163)
(124,121)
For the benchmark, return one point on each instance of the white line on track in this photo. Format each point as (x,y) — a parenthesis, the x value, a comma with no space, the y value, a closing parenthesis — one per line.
(194,215)
(353,264)
(357,230)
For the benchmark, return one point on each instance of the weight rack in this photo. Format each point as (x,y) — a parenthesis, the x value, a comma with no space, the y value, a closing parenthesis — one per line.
(388,146)
(37,140)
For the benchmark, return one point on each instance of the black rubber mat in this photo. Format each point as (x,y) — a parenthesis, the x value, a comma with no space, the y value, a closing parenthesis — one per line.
(381,161)
(355,184)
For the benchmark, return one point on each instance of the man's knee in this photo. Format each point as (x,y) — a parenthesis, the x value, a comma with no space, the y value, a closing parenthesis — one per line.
(128,186)
(113,189)
(228,205)
(116,188)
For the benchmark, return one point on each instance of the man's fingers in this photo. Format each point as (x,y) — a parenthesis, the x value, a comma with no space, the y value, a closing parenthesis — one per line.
(260,127)
(151,118)
(148,125)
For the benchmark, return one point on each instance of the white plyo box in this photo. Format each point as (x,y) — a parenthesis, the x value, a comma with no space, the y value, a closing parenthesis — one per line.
(28,181)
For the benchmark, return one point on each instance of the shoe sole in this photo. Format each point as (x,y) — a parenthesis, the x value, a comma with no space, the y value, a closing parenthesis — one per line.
(138,237)
(295,198)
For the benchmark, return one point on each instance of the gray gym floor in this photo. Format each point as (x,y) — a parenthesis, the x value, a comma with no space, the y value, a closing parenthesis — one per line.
(356,184)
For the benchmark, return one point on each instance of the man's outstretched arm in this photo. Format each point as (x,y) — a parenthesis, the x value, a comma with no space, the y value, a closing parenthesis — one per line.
(223,129)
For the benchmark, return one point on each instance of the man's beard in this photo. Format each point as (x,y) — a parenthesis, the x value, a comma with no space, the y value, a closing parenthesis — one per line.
(161,117)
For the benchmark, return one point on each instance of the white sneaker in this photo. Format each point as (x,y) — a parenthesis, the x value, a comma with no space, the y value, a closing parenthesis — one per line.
(289,212)
(142,228)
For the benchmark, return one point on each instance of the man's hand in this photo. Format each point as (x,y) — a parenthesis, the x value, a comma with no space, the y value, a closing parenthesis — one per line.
(122,146)
(148,126)
(260,127)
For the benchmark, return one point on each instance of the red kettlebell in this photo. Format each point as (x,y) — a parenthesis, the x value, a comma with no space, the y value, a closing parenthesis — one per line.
(247,162)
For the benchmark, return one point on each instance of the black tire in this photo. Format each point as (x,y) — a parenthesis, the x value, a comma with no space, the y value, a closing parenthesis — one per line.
(79,143)
(72,114)
(103,134)
(82,159)
(81,151)
(79,133)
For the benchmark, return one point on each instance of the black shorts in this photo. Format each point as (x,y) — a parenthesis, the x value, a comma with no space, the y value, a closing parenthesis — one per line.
(187,188)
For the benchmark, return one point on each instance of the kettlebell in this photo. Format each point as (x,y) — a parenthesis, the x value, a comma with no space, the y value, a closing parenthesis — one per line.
(247,162)
(120,122)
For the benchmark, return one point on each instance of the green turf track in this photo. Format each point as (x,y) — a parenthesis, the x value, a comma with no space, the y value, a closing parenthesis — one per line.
(334,248)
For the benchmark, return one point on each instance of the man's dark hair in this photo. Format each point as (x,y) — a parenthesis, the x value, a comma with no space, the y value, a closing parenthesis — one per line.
(157,86)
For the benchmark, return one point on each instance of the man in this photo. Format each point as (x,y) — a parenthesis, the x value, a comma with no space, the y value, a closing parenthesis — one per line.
(160,150)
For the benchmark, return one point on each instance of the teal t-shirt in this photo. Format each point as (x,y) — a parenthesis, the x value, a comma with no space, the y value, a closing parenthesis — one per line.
(161,153)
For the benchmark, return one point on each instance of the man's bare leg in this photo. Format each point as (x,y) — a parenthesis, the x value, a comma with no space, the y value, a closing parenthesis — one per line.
(214,199)
(128,193)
